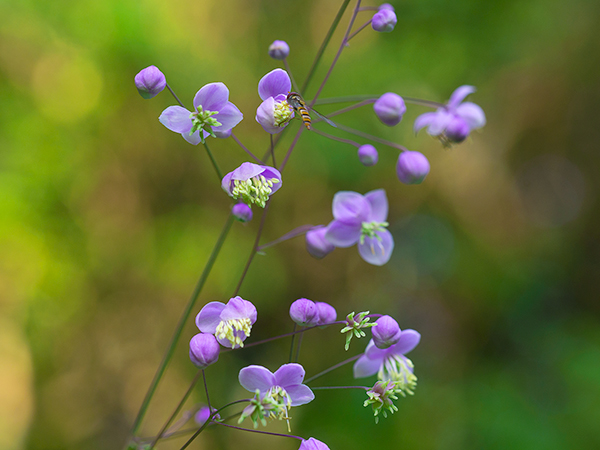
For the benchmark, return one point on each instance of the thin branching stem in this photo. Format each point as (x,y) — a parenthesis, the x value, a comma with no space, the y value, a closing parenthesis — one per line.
(259,431)
(175,95)
(255,158)
(213,161)
(287,68)
(335,366)
(364,25)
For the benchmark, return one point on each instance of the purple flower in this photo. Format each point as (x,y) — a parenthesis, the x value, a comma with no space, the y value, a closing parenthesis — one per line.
(231,324)
(362,219)
(203,414)
(242,212)
(150,81)
(316,244)
(327,313)
(389,108)
(367,154)
(313,444)
(279,50)
(390,363)
(454,121)
(285,383)
(304,312)
(204,350)
(384,20)
(274,113)
(213,113)
(252,183)
(386,333)
(386,6)
(412,167)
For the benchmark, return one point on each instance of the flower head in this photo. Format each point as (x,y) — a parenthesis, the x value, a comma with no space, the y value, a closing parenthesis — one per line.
(150,81)
(213,113)
(316,244)
(384,20)
(313,444)
(362,219)
(304,312)
(386,333)
(454,121)
(204,350)
(389,108)
(381,398)
(279,50)
(412,167)
(390,363)
(242,212)
(252,183)
(367,155)
(274,113)
(231,323)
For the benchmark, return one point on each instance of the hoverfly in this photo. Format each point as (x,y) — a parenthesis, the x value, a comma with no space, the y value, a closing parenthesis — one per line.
(296,101)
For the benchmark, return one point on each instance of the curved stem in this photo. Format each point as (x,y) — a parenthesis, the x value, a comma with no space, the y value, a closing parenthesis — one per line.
(335,138)
(372,138)
(261,432)
(366,24)
(292,343)
(182,320)
(175,95)
(255,158)
(273,151)
(303,229)
(340,364)
(289,152)
(351,107)
(323,388)
(213,161)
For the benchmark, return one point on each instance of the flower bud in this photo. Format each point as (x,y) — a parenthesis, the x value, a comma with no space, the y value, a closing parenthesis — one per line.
(150,81)
(313,444)
(242,212)
(204,350)
(386,6)
(384,20)
(386,333)
(367,154)
(304,312)
(389,108)
(457,130)
(412,167)
(203,414)
(316,244)
(326,313)
(279,50)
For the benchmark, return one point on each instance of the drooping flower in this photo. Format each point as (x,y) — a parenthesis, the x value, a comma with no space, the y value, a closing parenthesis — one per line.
(316,244)
(252,183)
(367,155)
(384,20)
(150,81)
(381,398)
(389,108)
(285,383)
(386,333)
(231,323)
(204,350)
(279,50)
(313,444)
(274,113)
(362,219)
(390,363)
(454,121)
(326,313)
(412,167)
(213,113)
(242,212)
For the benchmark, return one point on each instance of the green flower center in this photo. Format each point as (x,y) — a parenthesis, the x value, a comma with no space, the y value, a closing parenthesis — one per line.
(398,369)
(254,190)
(230,330)
(283,113)
(203,121)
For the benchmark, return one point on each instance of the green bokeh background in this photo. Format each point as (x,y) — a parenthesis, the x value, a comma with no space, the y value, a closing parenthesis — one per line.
(107,218)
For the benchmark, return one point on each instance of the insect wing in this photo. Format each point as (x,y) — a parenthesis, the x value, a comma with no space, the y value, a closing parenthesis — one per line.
(322,117)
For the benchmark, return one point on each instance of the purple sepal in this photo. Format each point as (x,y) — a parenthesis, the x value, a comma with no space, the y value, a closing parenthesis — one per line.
(367,155)
(412,167)
(274,83)
(386,333)
(279,50)
(377,251)
(242,212)
(316,243)
(304,312)
(313,444)
(150,81)
(288,376)
(389,108)
(327,313)
(384,20)
(204,350)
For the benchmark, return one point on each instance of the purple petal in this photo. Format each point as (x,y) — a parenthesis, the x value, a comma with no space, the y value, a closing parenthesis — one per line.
(229,116)
(472,114)
(316,243)
(274,83)
(350,206)
(194,138)
(366,367)
(300,394)
(342,234)
(379,205)
(176,119)
(439,122)
(209,317)
(256,377)
(313,444)
(408,340)
(423,120)
(265,116)
(459,95)
(246,171)
(327,313)
(212,97)
(269,173)
(238,308)
(289,375)
(375,251)
(226,183)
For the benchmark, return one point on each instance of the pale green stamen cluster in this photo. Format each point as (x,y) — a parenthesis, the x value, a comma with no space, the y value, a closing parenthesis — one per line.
(203,120)
(370,229)
(282,114)
(381,397)
(274,405)
(230,330)
(254,190)
(398,369)
(354,326)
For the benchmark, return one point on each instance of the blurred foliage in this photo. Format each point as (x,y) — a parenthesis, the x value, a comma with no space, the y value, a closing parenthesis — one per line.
(107,218)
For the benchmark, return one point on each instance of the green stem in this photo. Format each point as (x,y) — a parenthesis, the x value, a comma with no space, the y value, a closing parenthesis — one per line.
(334,25)
(212,160)
(182,320)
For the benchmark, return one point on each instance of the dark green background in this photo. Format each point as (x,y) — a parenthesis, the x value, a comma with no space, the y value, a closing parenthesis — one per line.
(107,218)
